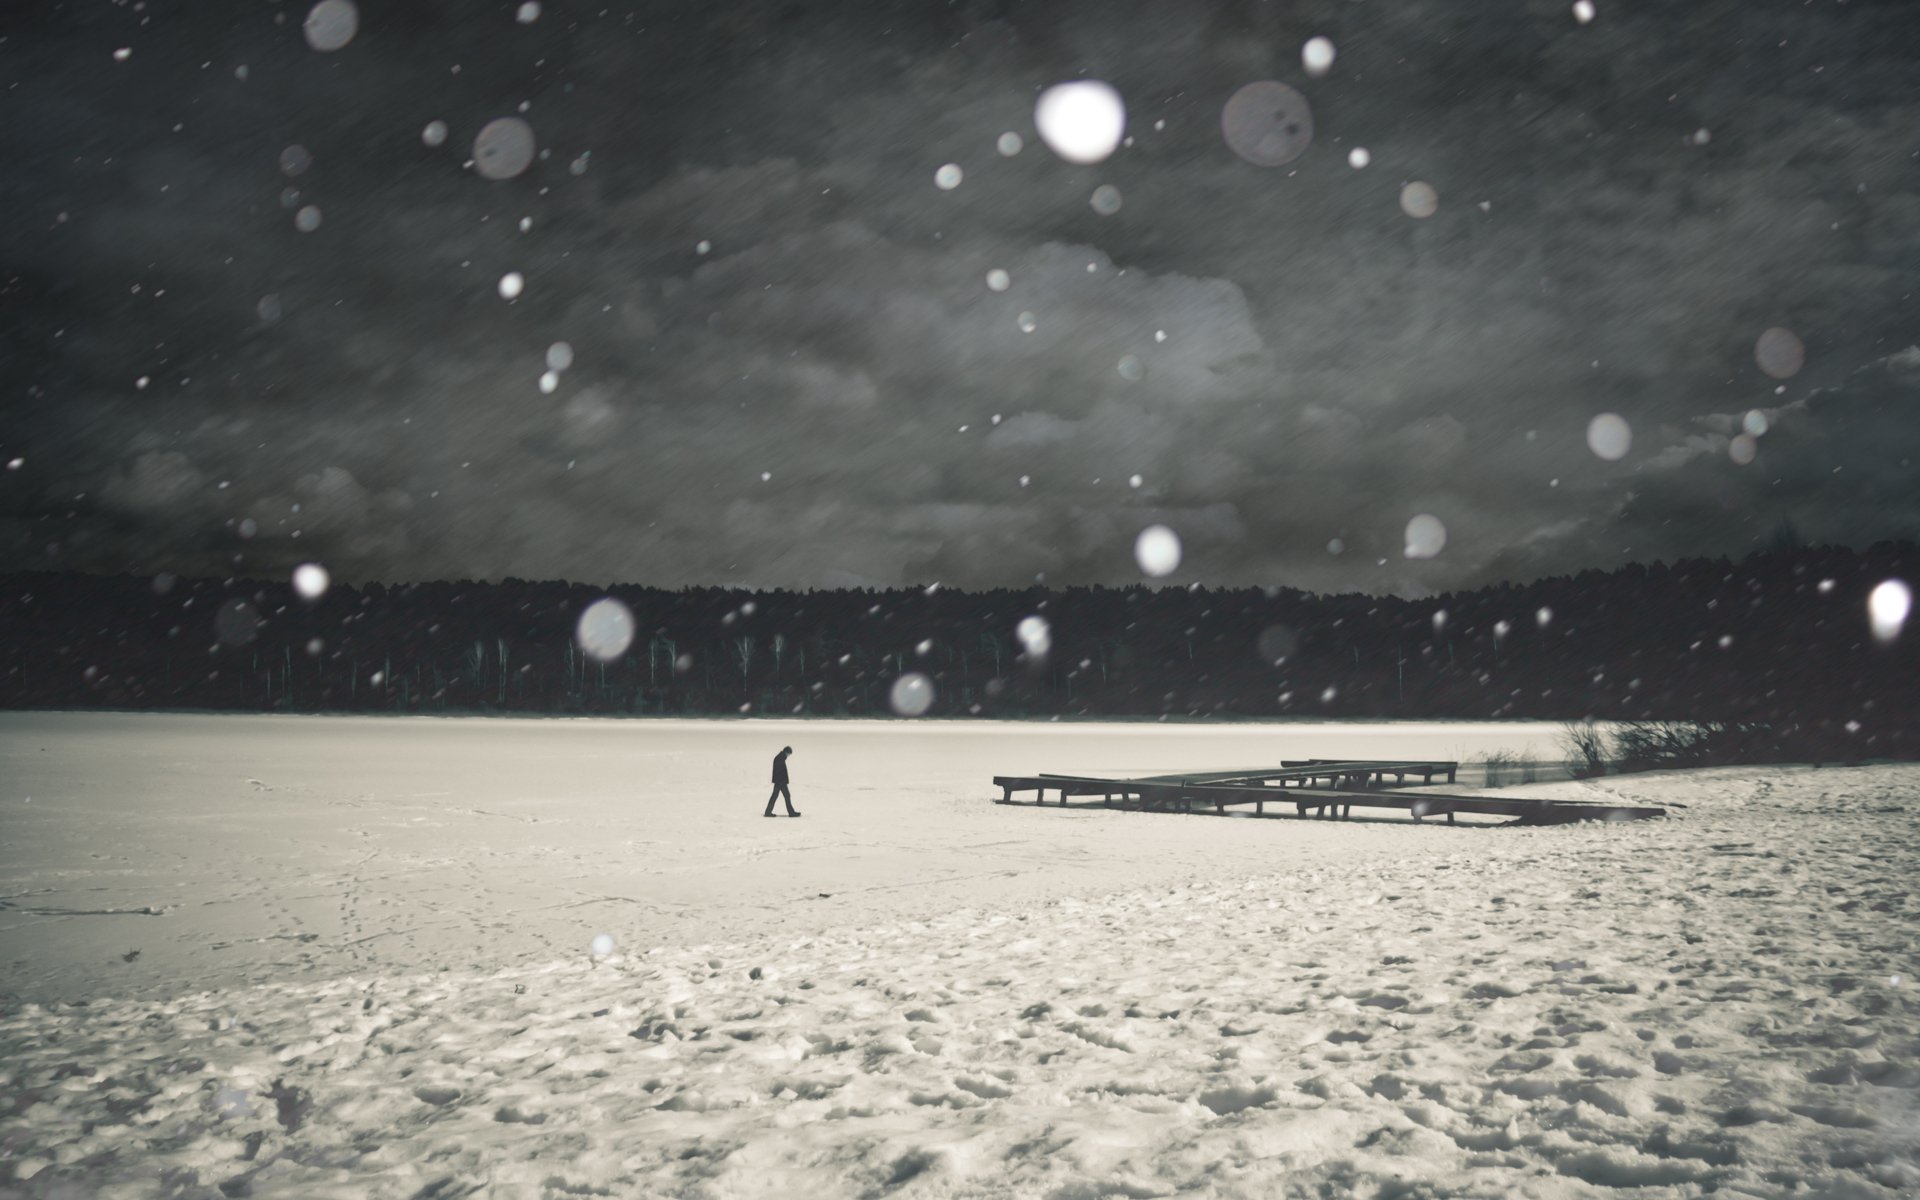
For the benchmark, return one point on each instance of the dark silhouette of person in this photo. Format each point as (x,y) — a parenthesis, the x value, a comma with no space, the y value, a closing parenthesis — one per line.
(780,784)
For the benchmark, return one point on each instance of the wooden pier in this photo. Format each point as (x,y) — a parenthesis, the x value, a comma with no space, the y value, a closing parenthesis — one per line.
(1323,788)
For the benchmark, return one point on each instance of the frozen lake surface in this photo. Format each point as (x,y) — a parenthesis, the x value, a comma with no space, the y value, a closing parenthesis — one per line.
(362,970)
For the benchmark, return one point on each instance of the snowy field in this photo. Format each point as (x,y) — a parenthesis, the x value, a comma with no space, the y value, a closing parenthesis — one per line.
(339,957)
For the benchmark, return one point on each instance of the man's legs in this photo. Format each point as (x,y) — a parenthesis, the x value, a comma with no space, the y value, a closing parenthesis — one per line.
(780,791)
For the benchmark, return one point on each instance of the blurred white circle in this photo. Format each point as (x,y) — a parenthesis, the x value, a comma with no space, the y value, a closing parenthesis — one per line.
(1027,322)
(1543,617)
(560,356)
(268,308)
(549,382)
(602,945)
(1609,436)
(307,219)
(1743,449)
(528,13)
(911,694)
(435,134)
(331,24)
(1106,200)
(948,177)
(1780,352)
(1157,550)
(1419,200)
(1082,121)
(605,629)
(295,159)
(1036,636)
(1010,144)
(511,285)
(311,581)
(998,280)
(1268,123)
(703,247)
(503,148)
(1358,157)
(1755,422)
(1887,608)
(1134,481)
(1317,56)
(1583,11)
(1426,536)
(1131,369)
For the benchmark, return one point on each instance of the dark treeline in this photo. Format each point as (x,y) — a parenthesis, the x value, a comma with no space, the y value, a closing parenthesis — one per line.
(1780,638)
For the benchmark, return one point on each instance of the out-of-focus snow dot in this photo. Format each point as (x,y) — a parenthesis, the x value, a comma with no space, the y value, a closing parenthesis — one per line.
(1543,617)
(1887,608)
(924,647)
(1277,642)
(235,623)
(703,247)
(14,464)
(1105,200)
(1426,536)
(435,134)
(1036,636)
(230,1103)
(1328,693)
(1755,422)
(1700,137)
(311,581)
(163,582)
(998,280)
(1743,449)
(1027,322)
(1157,550)
(307,219)
(605,629)
(1130,368)
(1317,56)
(503,148)
(1502,628)
(1853,727)
(140,384)
(315,647)
(601,945)
(1025,480)
(1082,121)
(295,159)
(1780,352)
(528,13)
(1134,481)
(579,165)
(1418,200)
(766,476)
(1583,11)
(511,284)
(948,177)
(289,197)
(123,54)
(268,308)
(560,356)
(1609,436)
(240,72)
(549,382)
(1358,157)
(248,527)
(526,223)
(1267,123)
(377,678)
(1439,620)
(911,694)
(1159,335)
(1010,144)
(1336,546)
(331,24)
(1826,585)
(1726,640)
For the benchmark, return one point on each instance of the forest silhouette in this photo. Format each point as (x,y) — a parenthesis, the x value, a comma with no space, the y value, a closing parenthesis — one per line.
(1779,640)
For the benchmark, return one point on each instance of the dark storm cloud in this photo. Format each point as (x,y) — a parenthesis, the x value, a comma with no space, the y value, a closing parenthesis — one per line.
(813,400)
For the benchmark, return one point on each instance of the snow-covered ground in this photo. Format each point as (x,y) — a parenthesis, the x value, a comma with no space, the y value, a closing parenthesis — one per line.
(363,970)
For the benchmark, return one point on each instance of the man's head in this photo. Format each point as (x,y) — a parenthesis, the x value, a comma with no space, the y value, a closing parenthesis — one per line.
(786,749)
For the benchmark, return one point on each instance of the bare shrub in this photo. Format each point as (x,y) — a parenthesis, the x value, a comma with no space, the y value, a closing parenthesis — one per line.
(1586,749)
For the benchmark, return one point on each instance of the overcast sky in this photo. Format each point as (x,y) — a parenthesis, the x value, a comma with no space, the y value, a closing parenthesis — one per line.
(833,394)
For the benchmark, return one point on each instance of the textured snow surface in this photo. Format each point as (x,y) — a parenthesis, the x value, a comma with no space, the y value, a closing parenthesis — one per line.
(1717,1002)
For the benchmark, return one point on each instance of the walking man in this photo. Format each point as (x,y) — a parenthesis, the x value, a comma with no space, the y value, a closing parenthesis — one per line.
(780,783)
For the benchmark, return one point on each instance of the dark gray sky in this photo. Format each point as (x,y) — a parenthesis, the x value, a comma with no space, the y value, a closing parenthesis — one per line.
(812,402)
